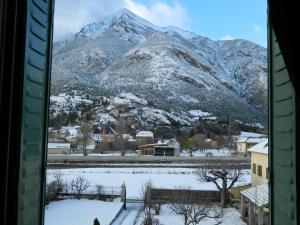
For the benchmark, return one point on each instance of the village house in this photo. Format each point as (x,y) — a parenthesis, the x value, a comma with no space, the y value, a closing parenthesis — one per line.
(144,137)
(59,148)
(107,142)
(259,163)
(255,200)
(161,148)
(246,140)
(69,133)
(97,139)
(254,205)
(172,148)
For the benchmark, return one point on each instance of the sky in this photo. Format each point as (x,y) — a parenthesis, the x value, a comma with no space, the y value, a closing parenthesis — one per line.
(215,19)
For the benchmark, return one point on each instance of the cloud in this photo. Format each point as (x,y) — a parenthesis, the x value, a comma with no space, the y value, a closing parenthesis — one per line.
(71,15)
(257,30)
(160,13)
(227,37)
(259,34)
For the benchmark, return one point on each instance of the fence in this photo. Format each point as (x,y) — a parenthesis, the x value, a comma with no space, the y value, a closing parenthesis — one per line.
(184,196)
(96,192)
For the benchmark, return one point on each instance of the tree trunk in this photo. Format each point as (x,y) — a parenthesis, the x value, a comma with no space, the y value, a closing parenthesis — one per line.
(84,151)
(223,198)
(185,220)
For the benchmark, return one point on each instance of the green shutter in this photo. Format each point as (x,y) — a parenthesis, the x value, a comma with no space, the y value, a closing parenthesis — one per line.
(34,111)
(283,136)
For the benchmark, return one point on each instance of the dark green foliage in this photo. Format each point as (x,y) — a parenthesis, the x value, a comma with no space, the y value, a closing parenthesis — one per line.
(96,221)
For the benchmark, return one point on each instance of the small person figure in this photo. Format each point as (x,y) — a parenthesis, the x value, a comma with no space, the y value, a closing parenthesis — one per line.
(96,221)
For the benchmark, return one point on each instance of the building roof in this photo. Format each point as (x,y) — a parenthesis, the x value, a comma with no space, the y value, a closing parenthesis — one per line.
(73,132)
(261,147)
(258,195)
(145,134)
(96,137)
(249,137)
(250,140)
(254,140)
(251,134)
(59,145)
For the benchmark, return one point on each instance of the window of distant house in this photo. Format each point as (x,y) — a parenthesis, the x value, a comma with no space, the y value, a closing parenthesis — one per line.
(259,170)
(254,168)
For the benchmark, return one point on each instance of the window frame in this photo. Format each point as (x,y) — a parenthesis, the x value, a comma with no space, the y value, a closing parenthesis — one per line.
(259,170)
(254,168)
(14,13)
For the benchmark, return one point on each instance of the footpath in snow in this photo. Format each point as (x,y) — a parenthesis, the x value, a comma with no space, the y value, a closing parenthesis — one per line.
(129,216)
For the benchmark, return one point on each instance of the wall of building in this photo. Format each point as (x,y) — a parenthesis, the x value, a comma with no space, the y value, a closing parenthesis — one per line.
(144,140)
(241,147)
(260,160)
(58,150)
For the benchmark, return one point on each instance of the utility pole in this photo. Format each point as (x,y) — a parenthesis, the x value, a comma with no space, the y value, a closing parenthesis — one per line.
(229,131)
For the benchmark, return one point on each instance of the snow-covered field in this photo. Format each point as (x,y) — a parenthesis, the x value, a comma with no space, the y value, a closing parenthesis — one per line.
(207,152)
(183,153)
(81,212)
(134,178)
(166,217)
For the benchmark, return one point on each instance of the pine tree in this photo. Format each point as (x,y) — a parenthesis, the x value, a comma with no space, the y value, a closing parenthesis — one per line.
(96,221)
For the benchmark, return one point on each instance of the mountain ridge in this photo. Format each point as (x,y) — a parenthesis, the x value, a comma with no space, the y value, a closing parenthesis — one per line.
(176,70)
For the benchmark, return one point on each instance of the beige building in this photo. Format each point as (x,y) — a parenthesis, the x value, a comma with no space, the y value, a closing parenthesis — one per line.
(246,140)
(259,163)
(59,148)
(255,200)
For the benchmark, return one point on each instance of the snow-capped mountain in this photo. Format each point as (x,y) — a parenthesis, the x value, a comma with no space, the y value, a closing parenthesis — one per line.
(170,70)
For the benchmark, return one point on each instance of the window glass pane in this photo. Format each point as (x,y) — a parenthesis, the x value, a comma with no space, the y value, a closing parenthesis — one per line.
(254,168)
(143,105)
(259,170)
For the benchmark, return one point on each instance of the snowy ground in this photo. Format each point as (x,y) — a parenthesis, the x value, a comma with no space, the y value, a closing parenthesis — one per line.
(166,217)
(183,153)
(134,178)
(99,154)
(211,152)
(130,215)
(70,212)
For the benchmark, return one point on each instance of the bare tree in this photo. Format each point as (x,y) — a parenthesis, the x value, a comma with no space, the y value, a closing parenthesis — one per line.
(220,141)
(192,212)
(84,138)
(99,190)
(121,141)
(224,175)
(54,188)
(217,213)
(198,141)
(78,185)
(149,220)
(145,195)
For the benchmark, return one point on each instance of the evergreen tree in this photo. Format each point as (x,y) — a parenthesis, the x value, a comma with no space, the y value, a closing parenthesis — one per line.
(96,221)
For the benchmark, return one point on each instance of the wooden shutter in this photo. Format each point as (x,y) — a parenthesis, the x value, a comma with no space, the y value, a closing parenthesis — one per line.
(282,139)
(34,111)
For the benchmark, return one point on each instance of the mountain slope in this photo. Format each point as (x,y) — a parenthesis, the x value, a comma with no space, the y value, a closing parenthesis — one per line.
(173,70)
